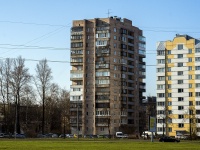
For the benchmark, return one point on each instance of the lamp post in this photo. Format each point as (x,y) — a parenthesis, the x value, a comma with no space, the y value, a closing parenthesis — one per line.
(77,119)
(163,125)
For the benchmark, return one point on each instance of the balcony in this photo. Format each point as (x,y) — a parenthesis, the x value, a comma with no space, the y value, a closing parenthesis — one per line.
(76,75)
(142,53)
(142,87)
(76,61)
(130,51)
(76,52)
(141,67)
(76,30)
(102,28)
(102,65)
(130,44)
(130,37)
(142,39)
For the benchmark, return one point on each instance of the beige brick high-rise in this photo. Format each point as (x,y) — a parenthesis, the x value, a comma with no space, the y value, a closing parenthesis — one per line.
(107,76)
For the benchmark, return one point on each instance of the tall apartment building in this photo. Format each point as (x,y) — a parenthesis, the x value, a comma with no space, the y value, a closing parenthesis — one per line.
(107,76)
(178,86)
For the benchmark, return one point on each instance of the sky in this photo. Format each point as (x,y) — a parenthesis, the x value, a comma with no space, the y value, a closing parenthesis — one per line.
(40,29)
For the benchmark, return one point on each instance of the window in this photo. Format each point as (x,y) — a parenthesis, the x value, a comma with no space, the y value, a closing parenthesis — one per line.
(180,116)
(169,103)
(169,77)
(198,121)
(101,43)
(189,59)
(102,81)
(197,85)
(180,56)
(180,73)
(189,68)
(77,44)
(190,103)
(169,94)
(180,99)
(169,52)
(169,129)
(180,46)
(101,74)
(161,61)
(180,64)
(197,67)
(191,112)
(169,86)
(197,76)
(161,95)
(169,69)
(160,129)
(160,52)
(189,77)
(169,60)
(190,85)
(169,120)
(180,81)
(180,107)
(198,103)
(161,78)
(197,50)
(190,51)
(160,69)
(180,90)
(160,120)
(197,58)
(88,29)
(197,94)
(160,112)
(169,112)
(190,94)
(160,86)
(161,103)
(115,29)
(115,37)
(198,112)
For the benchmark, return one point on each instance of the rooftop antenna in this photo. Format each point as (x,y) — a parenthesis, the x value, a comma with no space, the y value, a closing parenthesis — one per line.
(108,13)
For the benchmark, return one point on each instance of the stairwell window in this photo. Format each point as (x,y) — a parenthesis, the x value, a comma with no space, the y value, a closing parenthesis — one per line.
(180,64)
(180,125)
(180,90)
(180,55)
(180,107)
(180,46)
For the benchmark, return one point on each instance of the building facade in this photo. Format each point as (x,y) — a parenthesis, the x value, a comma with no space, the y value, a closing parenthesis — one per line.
(178,86)
(107,76)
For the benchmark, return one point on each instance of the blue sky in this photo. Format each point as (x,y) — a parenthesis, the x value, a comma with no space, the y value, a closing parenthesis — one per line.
(46,23)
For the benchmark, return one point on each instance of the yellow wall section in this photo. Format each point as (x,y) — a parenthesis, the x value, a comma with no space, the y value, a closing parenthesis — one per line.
(170,45)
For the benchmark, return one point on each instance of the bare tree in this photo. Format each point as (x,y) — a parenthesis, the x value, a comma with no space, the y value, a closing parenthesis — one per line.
(42,82)
(20,77)
(65,113)
(5,74)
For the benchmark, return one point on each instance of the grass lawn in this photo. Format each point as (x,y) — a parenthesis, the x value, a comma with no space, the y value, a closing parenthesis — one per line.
(123,144)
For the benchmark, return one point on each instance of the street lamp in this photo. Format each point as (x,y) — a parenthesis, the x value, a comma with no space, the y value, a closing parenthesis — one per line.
(77,119)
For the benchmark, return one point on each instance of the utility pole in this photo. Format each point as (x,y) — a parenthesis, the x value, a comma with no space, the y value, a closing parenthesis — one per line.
(166,96)
(163,126)
(77,120)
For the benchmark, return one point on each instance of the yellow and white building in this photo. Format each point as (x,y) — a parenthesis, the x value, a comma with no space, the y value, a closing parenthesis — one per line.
(178,86)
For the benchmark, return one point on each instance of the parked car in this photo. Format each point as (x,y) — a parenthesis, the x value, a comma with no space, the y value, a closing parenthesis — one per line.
(1,135)
(168,139)
(181,136)
(18,136)
(41,136)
